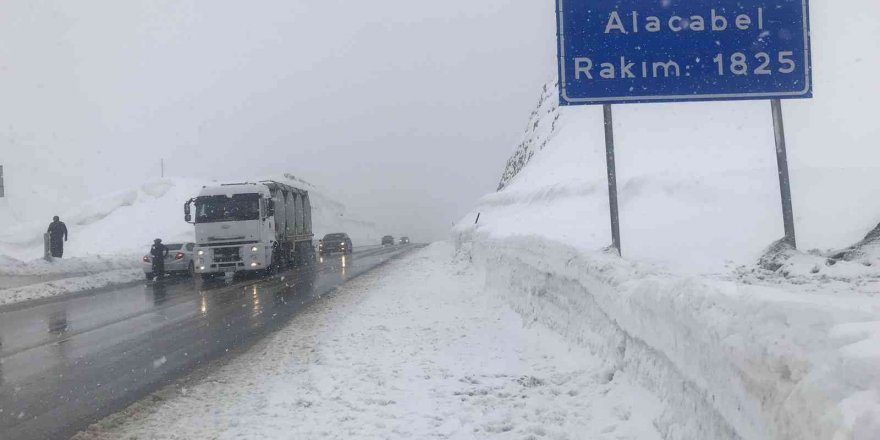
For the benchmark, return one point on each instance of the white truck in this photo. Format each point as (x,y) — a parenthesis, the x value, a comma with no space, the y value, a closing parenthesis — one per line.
(263,226)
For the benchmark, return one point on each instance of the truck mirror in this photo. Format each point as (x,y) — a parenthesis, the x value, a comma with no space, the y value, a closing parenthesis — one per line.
(186,211)
(270,208)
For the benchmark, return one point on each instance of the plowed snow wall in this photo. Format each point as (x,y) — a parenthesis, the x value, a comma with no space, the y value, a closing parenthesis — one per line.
(729,361)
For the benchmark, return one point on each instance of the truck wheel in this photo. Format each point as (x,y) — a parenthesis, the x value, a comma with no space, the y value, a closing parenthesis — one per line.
(277,263)
(191,270)
(288,261)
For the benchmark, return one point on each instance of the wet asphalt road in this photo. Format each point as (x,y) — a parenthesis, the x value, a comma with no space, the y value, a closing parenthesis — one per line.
(67,363)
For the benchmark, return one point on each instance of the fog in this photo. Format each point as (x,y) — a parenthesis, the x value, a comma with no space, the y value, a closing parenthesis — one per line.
(404,110)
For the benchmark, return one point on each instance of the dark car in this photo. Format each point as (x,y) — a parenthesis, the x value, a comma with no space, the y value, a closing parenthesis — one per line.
(404,240)
(338,242)
(387,240)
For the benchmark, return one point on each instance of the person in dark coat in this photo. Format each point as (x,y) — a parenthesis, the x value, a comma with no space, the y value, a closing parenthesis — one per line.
(159,251)
(57,231)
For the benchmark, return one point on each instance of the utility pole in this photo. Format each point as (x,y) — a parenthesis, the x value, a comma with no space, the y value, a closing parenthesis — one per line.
(2,190)
(162,165)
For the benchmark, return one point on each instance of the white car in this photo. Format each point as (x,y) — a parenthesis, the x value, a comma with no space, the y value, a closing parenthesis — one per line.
(178,261)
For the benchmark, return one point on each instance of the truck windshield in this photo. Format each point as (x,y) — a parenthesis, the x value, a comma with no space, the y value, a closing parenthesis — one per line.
(239,207)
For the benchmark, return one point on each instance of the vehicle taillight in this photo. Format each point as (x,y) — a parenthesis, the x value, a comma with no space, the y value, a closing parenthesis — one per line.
(146,259)
(179,256)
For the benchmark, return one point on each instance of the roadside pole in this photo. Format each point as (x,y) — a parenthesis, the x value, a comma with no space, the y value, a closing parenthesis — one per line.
(612,178)
(782,165)
(47,249)
(2,191)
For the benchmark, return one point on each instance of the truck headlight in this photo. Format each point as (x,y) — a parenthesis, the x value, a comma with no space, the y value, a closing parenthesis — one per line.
(201,252)
(254,248)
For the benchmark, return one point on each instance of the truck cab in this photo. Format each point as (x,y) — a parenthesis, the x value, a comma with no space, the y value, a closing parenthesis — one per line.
(243,227)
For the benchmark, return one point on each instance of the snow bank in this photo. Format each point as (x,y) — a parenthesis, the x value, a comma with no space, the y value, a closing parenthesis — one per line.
(729,360)
(114,230)
(70,284)
(122,223)
(74,265)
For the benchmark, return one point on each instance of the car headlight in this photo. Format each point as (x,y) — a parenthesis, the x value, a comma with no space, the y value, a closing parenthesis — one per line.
(201,252)
(254,248)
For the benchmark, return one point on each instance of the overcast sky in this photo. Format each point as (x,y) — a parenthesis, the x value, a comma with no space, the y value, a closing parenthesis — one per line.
(404,109)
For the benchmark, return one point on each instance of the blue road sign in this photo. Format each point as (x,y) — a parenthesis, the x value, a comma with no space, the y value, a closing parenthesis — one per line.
(629,51)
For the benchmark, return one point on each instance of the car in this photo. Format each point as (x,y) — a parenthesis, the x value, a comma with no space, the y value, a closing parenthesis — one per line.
(338,242)
(404,240)
(179,260)
(387,240)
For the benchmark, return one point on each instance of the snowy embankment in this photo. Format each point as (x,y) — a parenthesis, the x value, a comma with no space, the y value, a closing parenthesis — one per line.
(728,360)
(68,284)
(733,350)
(445,360)
(110,234)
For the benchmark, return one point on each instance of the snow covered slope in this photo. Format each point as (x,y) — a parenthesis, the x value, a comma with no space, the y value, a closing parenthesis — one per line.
(121,225)
(698,185)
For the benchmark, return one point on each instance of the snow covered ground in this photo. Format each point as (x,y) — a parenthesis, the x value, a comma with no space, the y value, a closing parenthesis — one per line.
(108,235)
(416,349)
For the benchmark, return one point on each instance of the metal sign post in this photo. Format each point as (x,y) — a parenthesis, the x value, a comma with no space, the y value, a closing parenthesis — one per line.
(784,181)
(637,51)
(612,178)
(47,248)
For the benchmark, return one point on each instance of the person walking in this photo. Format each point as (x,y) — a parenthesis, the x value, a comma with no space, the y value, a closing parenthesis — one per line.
(57,230)
(159,251)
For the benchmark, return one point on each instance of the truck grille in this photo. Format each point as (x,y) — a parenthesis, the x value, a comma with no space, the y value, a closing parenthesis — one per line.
(226,255)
